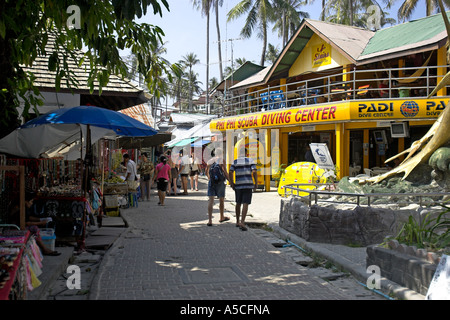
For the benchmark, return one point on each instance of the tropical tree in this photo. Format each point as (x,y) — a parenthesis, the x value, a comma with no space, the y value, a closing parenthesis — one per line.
(353,13)
(409,6)
(291,17)
(205,7)
(272,53)
(103,28)
(189,61)
(259,13)
(237,62)
(216,4)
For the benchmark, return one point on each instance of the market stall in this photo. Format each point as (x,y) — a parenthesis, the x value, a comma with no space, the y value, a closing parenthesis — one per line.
(20,264)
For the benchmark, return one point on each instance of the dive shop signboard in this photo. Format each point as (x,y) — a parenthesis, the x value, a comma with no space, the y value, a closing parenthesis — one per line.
(370,110)
(398,109)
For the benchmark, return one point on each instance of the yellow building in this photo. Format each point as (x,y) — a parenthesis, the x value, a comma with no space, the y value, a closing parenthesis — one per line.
(363,93)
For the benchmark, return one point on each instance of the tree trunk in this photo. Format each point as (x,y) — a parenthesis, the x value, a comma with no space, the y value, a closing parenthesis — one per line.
(263,55)
(219,43)
(207,62)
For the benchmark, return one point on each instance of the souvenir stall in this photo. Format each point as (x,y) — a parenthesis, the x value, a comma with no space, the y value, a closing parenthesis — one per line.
(57,187)
(20,264)
(20,256)
(117,192)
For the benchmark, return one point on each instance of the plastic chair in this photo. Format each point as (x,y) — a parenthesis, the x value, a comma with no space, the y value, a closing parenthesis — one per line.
(368,172)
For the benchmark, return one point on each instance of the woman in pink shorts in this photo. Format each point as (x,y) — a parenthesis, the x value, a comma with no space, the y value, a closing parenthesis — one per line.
(162,178)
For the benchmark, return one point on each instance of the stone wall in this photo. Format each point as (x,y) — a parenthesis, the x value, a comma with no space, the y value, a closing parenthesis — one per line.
(345,225)
(404,269)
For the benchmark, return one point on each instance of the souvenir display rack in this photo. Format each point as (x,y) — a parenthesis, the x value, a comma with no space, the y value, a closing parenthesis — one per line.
(20,262)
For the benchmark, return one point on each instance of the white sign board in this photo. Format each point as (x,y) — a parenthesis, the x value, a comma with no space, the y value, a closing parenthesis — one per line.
(322,156)
(439,288)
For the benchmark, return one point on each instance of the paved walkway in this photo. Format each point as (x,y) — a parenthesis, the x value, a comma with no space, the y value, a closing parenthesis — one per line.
(170,253)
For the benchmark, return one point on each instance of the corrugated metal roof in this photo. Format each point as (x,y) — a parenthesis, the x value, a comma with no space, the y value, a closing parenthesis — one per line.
(350,41)
(411,35)
(141,113)
(245,71)
(256,78)
(406,34)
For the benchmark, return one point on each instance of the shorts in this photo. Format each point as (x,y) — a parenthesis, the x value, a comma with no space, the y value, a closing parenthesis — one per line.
(193,173)
(174,173)
(216,189)
(161,184)
(184,175)
(243,196)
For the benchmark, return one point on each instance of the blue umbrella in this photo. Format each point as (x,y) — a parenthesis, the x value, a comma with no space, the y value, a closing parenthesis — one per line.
(120,123)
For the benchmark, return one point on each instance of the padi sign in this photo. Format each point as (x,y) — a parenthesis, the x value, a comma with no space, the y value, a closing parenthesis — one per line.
(398,109)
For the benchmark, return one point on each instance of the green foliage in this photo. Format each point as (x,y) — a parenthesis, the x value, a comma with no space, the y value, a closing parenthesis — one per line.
(106,27)
(431,233)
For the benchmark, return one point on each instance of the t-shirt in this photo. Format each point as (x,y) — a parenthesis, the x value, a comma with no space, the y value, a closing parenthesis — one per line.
(243,168)
(163,171)
(194,164)
(131,168)
(186,163)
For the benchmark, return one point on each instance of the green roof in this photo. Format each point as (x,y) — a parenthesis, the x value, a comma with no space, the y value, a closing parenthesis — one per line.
(405,34)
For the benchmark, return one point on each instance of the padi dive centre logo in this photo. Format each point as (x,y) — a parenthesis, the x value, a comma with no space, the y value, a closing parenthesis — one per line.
(409,109)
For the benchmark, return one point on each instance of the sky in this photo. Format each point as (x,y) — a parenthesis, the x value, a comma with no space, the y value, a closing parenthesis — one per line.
(185,32)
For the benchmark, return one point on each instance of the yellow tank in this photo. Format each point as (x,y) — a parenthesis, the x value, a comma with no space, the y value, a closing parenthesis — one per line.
(301,172)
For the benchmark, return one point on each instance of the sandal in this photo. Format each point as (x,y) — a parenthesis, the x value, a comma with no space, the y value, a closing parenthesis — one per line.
(224,219)
(209,224)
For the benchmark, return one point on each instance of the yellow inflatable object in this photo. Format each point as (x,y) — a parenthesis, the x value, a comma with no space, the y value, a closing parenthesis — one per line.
(301,172)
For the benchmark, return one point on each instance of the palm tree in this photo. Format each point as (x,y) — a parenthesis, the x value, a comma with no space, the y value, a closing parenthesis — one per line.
(216,4)
(205,6)
(258,13)
(238,62)
(272,53)
(353,13)
(408,6)
(189,61)
(291,17)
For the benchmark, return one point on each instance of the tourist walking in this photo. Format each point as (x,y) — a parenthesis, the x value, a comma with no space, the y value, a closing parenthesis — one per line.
(244,169)
(216,172)
(162,178)
(195,167)
(184,171)
(172,162)
(145,169)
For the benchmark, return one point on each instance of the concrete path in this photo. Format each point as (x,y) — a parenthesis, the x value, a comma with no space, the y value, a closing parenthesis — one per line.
(169,253)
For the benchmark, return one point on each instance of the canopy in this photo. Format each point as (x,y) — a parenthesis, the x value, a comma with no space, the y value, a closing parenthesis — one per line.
(200,143)
(63,127)
(34,142)
(199,131)
(121,124)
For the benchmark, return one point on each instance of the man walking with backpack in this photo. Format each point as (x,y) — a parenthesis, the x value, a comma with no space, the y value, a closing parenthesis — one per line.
(216,172)
(245,180)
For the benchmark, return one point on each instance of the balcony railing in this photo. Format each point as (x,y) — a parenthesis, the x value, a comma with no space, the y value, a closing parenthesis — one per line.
(365,84)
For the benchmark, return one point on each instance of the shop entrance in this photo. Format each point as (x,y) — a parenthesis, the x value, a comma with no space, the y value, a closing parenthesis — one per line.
(298,143)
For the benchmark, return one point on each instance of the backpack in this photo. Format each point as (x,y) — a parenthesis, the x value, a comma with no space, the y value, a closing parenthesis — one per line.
(216,174)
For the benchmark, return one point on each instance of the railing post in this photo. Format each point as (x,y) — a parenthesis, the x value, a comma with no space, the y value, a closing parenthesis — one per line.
(390,84)
(354,83)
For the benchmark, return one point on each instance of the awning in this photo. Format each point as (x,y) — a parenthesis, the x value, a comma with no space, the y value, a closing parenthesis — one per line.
(200,143)
(181,143)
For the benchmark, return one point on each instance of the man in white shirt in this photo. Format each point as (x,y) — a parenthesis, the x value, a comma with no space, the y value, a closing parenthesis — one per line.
(131,168)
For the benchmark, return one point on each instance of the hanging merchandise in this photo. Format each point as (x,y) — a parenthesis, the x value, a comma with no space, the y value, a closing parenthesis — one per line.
(20,264)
